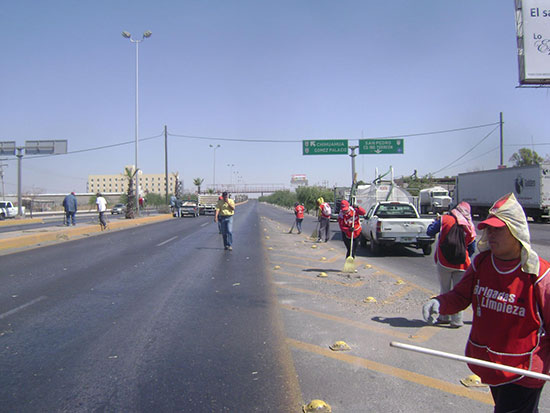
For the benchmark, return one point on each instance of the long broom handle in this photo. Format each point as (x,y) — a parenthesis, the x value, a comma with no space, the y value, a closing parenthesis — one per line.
(471,360)
(352,231)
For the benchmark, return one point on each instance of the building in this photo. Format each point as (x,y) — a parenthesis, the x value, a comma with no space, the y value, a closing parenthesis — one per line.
(148,183)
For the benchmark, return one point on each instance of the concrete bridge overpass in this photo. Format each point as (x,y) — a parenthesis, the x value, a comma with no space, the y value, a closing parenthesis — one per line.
(261,189)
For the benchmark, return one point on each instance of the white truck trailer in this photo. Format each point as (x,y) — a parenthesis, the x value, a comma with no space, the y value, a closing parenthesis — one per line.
(435,199)
(530,185)
(207,204)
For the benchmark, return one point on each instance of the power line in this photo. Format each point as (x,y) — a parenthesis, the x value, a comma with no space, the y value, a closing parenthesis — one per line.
(97,148)
(258,140)
(468,151)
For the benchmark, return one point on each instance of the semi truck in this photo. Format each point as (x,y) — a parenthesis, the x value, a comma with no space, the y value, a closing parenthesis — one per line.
(435,199)
(530,184)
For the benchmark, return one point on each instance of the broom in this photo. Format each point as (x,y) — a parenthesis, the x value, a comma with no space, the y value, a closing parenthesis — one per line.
(292,227)
(315,233)
(349,265)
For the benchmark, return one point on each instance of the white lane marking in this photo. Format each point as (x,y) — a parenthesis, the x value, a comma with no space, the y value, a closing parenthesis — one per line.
(205,224)
(167,241)
(21,307)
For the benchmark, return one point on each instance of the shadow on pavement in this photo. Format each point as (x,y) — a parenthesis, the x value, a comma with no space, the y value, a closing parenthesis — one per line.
(400,322)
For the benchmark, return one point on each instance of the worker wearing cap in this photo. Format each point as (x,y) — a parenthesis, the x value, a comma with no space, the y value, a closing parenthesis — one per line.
(348,219)
(508,286)
(225,209)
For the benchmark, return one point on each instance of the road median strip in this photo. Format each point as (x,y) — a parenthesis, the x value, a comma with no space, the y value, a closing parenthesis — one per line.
(65,234)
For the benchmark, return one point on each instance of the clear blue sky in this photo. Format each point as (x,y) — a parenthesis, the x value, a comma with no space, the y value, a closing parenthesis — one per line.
(262,70)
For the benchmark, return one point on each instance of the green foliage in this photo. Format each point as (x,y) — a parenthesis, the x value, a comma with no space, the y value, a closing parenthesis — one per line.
(282,198)
(190,196)
(525,157)
(154,199)
(91,201)
(308,195)
(414,184)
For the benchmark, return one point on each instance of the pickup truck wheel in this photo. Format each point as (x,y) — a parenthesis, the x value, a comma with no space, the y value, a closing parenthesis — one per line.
(2,216)
(427,249)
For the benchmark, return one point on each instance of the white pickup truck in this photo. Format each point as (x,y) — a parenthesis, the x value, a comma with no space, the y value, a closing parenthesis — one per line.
(395,223)
(8,210)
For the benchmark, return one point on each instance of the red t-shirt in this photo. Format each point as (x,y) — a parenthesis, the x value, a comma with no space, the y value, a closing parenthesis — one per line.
(299,211)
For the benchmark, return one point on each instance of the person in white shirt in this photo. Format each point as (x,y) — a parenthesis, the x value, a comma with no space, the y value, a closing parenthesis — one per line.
(101,207)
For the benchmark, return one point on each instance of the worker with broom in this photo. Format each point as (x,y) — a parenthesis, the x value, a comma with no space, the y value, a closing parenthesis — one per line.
(508,286)
(299,213)
(348,219)
(324,219)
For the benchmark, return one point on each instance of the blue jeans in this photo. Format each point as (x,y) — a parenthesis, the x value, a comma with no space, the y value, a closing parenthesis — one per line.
(227,229)
(299,224)
(70,217)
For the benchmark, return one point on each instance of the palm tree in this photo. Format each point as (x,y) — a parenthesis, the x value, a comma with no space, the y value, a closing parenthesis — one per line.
(198,182)
(178,185)
(130,196)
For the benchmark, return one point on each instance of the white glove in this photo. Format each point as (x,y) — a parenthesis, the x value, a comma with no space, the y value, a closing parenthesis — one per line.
(430,311)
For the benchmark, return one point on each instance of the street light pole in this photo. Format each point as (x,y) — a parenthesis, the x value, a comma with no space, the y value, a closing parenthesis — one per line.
(146,35)
(231,173)
(214,172)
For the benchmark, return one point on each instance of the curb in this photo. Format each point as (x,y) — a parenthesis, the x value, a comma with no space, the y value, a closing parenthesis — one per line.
(73,233)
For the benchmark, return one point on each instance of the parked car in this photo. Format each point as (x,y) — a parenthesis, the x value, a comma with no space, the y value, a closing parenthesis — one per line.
(118,209)
(190,208)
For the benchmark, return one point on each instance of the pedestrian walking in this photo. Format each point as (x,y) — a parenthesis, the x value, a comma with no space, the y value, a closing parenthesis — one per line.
(225,209)
(508,286)
(101,204)
(70,205)
(455,245)
(324,213)
(350,225)
(299,213)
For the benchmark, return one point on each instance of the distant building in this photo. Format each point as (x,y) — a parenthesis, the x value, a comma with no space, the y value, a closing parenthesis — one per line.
(148,183)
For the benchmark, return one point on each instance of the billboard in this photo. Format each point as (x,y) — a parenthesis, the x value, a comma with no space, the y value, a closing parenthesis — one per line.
(44,147)
(533,41)
(7,148)
(298,179)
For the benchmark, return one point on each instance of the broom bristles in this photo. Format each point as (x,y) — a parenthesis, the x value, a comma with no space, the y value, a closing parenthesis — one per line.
(349,265)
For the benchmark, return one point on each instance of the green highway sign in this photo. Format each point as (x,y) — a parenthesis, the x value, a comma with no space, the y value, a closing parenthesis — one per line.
(379,146)
(325,147)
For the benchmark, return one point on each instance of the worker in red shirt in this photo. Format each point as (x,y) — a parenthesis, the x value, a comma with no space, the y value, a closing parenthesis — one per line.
(508,287)
(299,212)
(348,219)
(324,219)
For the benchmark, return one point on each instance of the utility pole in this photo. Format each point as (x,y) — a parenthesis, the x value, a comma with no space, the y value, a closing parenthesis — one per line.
(353,174)
(501,140)
(166,161)
(353,155)
(2,177)
(19,158)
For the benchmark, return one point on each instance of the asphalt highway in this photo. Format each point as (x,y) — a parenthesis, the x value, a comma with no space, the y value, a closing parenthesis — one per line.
(160,318)
(154,318)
